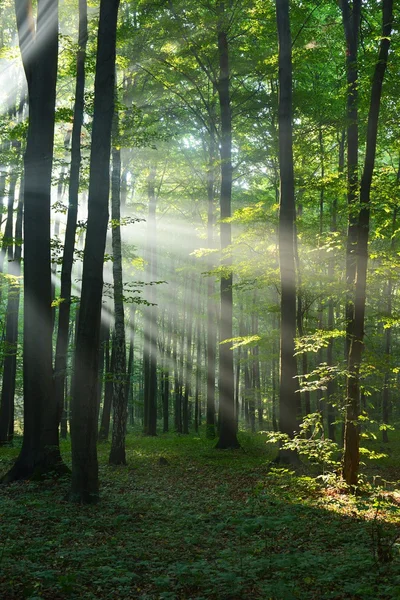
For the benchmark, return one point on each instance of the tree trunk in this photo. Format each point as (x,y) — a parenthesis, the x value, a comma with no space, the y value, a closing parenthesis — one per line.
(211,324)
(256,366)
(238,368)
(177,399)
(189,365)
(166,368)
(150,334)
(108,392)
(351,23)
(288,421)
(388,336)
(351,454)
(40,449)
(131,362)
(11,340)
(227,423)
(331,387)
(120,399)
(197,411)
(85,484)
(61,359)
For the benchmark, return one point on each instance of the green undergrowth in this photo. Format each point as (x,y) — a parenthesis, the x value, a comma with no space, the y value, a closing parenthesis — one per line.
(199,524)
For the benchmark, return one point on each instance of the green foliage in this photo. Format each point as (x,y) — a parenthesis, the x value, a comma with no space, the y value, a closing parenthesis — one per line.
(310,442)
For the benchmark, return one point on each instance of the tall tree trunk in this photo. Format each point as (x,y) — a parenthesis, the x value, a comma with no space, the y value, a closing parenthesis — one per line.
(108,390)
(197,399)
(177,399)
(211,324)
(238,368)
(61,358)
(351,453)
(331,387)
(131,362)
(189,364)
(150,333)
(120,399)
(288,422)
(351,24)
(388,336)
(39,48)
(274,374)
(227,424)
(104,336)
(85,483)
(11,340)
(256,366)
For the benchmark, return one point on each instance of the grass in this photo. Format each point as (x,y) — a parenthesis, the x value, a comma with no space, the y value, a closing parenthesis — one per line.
(218,525)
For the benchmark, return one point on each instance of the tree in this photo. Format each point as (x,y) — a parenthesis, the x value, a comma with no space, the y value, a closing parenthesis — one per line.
(150,325)
(227,424)
(120,398)
(85,484)
(11,339)
(40,452)
(351,457)
(60,363)
(288,384)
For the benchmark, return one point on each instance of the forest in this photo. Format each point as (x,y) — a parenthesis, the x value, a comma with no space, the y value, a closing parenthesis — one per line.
(199,300)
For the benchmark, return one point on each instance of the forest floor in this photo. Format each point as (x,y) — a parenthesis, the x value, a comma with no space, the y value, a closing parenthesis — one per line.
(202,524)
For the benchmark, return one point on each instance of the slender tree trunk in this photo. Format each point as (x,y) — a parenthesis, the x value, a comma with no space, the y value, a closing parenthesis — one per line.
(131,362)
(108,392)
(85,483)
(197,399)
(388,336)
(177,399)
(11,341)
(189,364)
(227,424)
(120,399)
(256,366)
(351,454)
(351,23)
(331,387)
(56,235)
(39,48)
(211,324)
(166,357)
(104,336)
(61,358)
(238,368)
(274,374)
(150,334)
(288,421)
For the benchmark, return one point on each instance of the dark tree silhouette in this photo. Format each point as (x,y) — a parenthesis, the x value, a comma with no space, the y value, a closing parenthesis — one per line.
(39,49)
(85,484)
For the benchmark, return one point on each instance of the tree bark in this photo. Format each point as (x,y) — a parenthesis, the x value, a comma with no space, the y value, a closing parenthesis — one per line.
(227,424)
(288,419)
(331,387)
(351,454)
(131,362)
(11,340)
(211,324)
(40,452)
(85,484)
(351,24)
(189,362)
(388,337)
(150,333)
(108,391)
(120,399)
(61,358)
